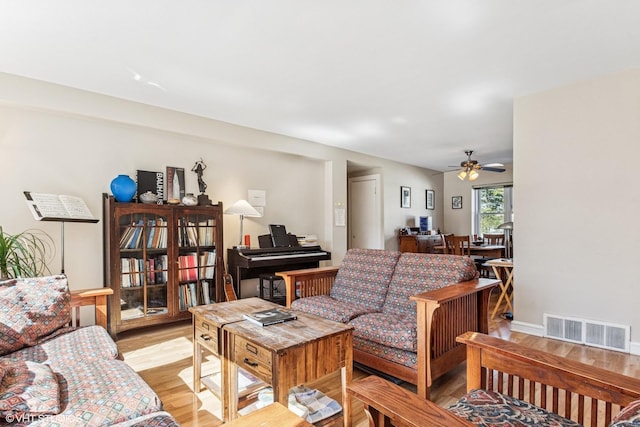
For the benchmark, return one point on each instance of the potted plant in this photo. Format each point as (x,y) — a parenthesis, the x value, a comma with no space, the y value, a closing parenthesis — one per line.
(24,254)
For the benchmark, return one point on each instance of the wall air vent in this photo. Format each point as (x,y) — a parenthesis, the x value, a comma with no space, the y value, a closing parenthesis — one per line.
(589,332)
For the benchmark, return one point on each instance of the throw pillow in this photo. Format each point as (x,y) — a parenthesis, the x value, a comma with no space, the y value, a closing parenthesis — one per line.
(28,389)
(32,308)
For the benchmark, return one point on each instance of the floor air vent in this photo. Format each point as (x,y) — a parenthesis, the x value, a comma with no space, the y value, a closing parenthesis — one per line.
(589,332)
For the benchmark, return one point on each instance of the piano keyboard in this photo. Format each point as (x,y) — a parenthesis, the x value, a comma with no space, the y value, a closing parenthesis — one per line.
(284,255)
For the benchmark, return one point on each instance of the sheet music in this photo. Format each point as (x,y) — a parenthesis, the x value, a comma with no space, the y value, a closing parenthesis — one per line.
(61,207)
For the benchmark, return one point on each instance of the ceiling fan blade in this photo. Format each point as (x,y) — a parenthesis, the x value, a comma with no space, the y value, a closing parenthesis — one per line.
(492,169)
(493,165)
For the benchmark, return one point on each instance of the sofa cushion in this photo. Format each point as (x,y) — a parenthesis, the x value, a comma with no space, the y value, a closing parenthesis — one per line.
(402,357)
(70,345)
(416,273)
(364,276)
(32,308)
(28,389)
(329,308)
(628,417)
(488,408)
(100,393)
(397,332)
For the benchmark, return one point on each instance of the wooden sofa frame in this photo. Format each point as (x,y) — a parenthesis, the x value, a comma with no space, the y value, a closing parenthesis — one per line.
(442,315)
(96,297)
(586,394)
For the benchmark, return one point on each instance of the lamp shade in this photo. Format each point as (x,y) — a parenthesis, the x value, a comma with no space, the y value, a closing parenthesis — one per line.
(242,207)
(507,225)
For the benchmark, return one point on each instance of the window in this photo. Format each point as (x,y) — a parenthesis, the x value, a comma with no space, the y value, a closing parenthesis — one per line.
(492,206)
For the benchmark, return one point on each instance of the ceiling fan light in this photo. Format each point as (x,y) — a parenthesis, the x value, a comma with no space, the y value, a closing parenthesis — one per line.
(462,175)
(473,175)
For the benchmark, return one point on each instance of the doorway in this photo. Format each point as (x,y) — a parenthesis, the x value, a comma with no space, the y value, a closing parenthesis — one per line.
(365,212)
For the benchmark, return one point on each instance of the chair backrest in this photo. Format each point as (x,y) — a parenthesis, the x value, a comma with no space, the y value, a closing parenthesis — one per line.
(458,245)
(493,239)
(229,291)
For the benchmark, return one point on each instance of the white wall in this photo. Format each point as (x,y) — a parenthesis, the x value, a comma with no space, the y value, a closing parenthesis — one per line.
(60,140)
(576,224)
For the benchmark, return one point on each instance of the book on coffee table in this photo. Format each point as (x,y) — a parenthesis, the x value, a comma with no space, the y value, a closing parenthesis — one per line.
(270,317)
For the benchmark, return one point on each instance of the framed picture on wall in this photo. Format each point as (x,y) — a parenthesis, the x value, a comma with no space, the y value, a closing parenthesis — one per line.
(431,199)
(405,197)
(456,202)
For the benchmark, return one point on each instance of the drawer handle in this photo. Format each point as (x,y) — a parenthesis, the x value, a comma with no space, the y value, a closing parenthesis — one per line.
(250,363)
(206,337)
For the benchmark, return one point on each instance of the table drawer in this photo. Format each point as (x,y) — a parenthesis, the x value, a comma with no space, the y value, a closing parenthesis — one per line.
(253,358)
(207,335)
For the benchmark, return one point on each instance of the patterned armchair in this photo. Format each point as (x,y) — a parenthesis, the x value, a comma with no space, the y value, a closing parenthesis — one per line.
(511,385)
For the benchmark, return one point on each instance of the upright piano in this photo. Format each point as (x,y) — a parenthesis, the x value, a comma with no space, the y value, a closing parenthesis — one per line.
(251,263)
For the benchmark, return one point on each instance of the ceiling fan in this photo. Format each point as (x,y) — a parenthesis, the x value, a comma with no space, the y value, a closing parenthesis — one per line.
(469,168)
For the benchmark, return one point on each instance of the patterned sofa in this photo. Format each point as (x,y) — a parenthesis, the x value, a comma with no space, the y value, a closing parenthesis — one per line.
(406,308)
(54,374)
(510,385)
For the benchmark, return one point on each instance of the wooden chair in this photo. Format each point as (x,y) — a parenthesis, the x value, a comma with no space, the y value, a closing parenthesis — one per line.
(493,239)
(458,245)
(489,239)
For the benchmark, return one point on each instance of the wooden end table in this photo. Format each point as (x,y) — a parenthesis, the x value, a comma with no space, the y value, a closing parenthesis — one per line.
(289,354)
(208,321)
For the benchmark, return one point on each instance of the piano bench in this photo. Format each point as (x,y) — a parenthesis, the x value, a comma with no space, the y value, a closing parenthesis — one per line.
(272,288)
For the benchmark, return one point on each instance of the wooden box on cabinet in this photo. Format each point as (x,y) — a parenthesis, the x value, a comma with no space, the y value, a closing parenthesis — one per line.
(160,260)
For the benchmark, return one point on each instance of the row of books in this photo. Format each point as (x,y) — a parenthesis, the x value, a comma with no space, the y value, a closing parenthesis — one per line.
(153,234)
(190,268)
(191,233)
(133,271)
(190,294)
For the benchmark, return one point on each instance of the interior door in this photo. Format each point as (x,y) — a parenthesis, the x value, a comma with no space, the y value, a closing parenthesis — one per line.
(365,213)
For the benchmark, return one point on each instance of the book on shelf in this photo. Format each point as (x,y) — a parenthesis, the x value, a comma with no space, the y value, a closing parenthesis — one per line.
(270,317)
(53,207)
(175,183)
(150,181)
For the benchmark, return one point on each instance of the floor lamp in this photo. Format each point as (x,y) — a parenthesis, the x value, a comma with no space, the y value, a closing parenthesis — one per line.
(242,208)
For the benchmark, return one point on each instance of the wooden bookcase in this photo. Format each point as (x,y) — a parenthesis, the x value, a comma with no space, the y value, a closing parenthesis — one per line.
(160,260)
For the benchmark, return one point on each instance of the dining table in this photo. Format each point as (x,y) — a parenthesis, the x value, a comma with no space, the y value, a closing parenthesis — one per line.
(484,251)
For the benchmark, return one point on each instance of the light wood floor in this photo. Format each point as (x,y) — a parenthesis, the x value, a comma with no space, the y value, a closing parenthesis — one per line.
(163,357)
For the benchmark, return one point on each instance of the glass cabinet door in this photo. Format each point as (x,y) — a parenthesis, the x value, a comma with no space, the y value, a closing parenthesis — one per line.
(196,259)
(143,265)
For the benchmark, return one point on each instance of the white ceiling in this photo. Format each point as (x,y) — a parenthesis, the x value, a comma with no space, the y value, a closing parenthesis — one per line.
(417,81)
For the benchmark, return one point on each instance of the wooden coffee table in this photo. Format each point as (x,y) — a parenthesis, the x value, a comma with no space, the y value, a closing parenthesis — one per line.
(289,354)
(208,321)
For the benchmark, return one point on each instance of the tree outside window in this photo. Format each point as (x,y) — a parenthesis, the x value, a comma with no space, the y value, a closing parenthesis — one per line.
(492,208)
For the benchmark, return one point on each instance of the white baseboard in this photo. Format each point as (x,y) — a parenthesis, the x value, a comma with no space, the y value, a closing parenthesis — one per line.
(538,331)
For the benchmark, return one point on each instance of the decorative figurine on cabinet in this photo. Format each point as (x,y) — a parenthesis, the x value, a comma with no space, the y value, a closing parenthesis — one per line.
(198,168)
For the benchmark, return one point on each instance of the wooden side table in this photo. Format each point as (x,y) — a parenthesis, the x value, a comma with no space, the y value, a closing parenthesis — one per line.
(503,269)
(208,321)
(289,354)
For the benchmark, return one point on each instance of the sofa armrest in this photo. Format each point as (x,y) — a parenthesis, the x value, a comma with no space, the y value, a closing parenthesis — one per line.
(442,315)
(308,282)
(386,403)
(505,367)
(96,297)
